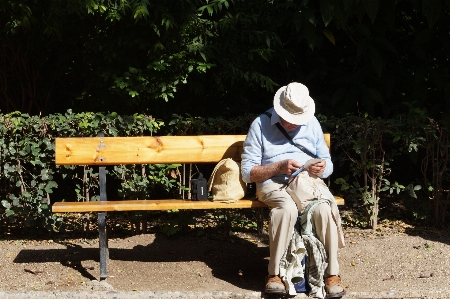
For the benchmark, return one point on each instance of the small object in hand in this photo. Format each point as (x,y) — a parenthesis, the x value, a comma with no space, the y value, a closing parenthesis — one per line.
(293,176)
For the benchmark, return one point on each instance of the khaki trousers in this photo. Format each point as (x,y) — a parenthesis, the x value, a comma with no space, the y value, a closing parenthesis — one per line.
(283,215)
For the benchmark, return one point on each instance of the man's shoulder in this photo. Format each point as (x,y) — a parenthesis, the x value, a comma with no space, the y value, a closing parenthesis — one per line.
(314,122)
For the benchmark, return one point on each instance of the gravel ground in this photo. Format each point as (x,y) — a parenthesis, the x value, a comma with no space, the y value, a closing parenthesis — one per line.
(397,261)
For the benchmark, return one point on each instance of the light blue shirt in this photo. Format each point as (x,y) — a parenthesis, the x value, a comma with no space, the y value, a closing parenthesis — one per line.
(265,144)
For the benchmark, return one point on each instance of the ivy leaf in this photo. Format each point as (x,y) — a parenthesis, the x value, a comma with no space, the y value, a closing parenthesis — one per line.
(411,190)
(50,185)
(6,204)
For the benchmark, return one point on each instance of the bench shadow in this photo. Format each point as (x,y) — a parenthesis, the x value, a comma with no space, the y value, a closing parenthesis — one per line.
(232,259)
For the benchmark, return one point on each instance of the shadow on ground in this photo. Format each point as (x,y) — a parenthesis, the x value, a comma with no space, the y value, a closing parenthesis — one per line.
(232,259)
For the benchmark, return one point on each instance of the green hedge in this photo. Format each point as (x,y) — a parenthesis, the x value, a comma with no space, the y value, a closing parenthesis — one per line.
(29,177)
(370,157)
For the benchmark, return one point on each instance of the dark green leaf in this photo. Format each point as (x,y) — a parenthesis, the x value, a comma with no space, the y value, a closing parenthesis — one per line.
(308,14)
(326,9)
(431,9)
(50,185)
(6,204)
(371,8)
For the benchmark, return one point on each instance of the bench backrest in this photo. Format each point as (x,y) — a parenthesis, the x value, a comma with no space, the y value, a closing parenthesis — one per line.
(149,150)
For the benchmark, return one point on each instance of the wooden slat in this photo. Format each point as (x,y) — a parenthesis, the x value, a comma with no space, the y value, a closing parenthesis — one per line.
(142,205)
(156,205)
(327,139)
(147,150)
(339,200)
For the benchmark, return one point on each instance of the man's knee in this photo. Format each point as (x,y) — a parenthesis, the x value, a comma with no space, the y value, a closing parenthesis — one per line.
(287,210)
(322,210)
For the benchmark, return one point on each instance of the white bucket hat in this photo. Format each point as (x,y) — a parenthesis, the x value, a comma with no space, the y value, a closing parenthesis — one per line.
(293,103)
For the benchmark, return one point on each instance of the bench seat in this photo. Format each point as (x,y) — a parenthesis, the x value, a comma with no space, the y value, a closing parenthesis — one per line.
(157,205)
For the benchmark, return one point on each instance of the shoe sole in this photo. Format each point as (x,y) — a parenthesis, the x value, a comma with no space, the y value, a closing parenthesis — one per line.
(335,296)
(271,291)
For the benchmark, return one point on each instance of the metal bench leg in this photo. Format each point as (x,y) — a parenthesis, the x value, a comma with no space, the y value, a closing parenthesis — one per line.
(103,238)
(103,242)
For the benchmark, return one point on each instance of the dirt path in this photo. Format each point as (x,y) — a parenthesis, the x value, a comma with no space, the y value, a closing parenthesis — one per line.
(394,260)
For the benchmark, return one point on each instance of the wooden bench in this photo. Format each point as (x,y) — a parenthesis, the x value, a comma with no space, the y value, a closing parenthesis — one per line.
(103,151)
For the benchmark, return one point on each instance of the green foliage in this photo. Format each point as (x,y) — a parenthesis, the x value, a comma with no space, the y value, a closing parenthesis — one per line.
(433,138)
(395,187)
(140,181)
(366,148)
(26,152)
(363,141)
(375,149)
(188,125)
(133,55)
(29,179)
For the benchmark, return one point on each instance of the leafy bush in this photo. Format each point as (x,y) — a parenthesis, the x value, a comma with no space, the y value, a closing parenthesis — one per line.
(26,153)
(366,149)
(29,177)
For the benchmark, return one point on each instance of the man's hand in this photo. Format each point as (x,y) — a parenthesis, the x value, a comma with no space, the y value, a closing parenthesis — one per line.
(317,168)
(261,173)
(289,166)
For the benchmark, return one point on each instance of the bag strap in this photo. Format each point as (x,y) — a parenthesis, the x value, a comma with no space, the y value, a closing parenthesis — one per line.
(300,147)
(213,174)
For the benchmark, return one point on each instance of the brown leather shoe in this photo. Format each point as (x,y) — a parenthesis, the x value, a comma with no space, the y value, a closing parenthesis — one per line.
(275,285)
(334,287)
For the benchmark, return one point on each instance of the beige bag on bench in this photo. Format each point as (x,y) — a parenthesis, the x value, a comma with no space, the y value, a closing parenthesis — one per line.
(225,183)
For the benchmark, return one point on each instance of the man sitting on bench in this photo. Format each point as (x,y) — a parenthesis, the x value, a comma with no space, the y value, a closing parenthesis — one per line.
(270,157)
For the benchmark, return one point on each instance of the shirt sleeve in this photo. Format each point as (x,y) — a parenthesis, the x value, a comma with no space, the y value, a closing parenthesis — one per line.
(252,153)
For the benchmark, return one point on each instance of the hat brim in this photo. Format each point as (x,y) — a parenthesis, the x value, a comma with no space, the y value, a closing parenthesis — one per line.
(299,119)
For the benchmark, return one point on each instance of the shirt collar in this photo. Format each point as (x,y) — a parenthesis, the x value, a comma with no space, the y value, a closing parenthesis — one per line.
(275,118)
